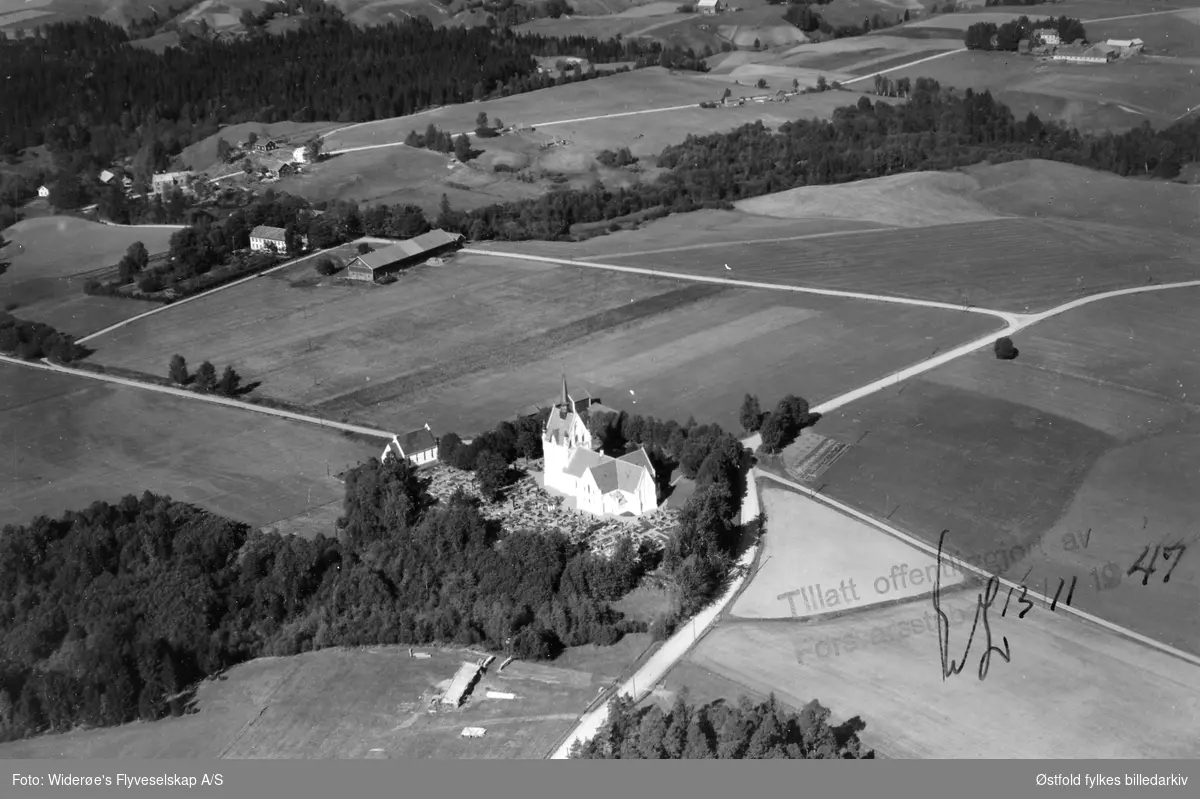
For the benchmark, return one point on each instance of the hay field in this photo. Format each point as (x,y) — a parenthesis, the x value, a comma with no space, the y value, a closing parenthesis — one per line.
(1014,264)
(366,703)
(405,354)
(1126,368)
(72,441)
(653,87)
(915,199)
(48,259)
(394,175)
(32,13)
(815,549)
(647,135)
(1071,690)
(1092,97)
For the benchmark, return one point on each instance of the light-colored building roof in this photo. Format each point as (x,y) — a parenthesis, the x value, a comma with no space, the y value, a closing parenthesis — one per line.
(106,176)
(583,459)
(268,232)
(384,256)
(708,3)
(460,684)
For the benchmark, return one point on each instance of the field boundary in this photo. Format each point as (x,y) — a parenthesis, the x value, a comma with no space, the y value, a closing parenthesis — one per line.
(222,287)
(1007,316)
(929,549)
(179,392)
(903,66)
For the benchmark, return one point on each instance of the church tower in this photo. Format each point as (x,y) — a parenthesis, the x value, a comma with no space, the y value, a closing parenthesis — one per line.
(565,431)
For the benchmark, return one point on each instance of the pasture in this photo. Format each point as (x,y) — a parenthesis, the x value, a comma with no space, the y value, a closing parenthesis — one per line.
(639,90)
(402,355)
(50,258)
(838,563)
(70,441)
(1009,264)
(365,703)
(1091,97)
(1165,35)
(1071,690)
(1125,370)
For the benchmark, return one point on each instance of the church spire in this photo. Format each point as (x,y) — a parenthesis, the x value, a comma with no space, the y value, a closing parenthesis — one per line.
(565,401)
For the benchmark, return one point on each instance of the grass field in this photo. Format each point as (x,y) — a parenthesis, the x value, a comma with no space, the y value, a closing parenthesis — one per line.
(50,258)
(642,89)
(73,441)
(1071,690)
(916,199)
(368,703)
(1092,97)
(1013,264)
(402,355)
(812,548)
(1169,34)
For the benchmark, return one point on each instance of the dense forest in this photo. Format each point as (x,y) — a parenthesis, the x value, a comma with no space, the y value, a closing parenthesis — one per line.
(1006,37)
(936,129)
(109,614)
(722,731)
(127,98)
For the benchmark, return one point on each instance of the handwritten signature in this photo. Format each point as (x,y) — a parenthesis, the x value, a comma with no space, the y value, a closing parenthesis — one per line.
(1171,553)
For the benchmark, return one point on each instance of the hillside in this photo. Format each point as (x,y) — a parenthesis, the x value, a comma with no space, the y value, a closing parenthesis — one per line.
(1020,188)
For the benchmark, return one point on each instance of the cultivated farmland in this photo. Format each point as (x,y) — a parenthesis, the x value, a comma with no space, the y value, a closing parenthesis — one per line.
(1011,264)
(72,441)
(404,355)
(368,703)
(51,257)
(1112,698)
(1092,428)
(816,550)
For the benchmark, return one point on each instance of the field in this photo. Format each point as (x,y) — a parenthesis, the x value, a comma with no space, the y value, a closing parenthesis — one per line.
(842,59)
(1092,97)
(639,90)
(1010,264)
(811,546)
(402,356)
(1092,429)
(367,703)
(73,441)
(1111,698)
(917,199)
(31,13)
(1167,35)
(50,259)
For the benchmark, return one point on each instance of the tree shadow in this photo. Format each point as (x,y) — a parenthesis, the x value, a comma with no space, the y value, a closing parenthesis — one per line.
(246,389)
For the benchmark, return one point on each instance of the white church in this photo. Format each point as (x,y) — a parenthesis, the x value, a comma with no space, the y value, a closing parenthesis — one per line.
(599,483)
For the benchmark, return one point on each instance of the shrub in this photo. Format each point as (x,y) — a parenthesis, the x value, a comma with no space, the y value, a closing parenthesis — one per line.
(326,267)
(1004,349)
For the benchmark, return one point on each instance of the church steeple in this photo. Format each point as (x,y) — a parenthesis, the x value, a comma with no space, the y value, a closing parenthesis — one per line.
(565,401)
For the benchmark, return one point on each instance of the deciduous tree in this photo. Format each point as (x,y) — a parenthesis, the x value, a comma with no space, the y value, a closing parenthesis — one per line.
(178,371)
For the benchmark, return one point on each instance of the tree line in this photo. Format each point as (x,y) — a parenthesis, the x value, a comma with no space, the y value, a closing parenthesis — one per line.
(130,98)
(1008,36)
(205,380)
(32,341)
(778,428)
(936,129)
(113,613)
(722,730)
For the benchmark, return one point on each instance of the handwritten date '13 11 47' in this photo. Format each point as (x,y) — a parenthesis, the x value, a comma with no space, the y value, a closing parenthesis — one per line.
(1144,564)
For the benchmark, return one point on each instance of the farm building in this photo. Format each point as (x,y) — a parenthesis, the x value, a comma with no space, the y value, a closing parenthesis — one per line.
(1080,54)
(710,6)
(419,447)
(461,684)
(265,146)
(265,238)
(43,192)
(1047,36)
(369,267)
(106,177)
(600,484)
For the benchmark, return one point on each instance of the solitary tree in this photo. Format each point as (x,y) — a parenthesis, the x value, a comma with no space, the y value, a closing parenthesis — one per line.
(1005,350)
(312,149)
(481,120)
(762,83)
(223,149)
(206,377)
(229,383)
(364,248)
(326,267)
(462,147)
(178,370)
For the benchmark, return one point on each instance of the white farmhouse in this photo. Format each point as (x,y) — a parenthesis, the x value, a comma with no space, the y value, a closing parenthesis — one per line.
(265,238)
(710,6)
(600,484)
(419,447)
(43,192)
